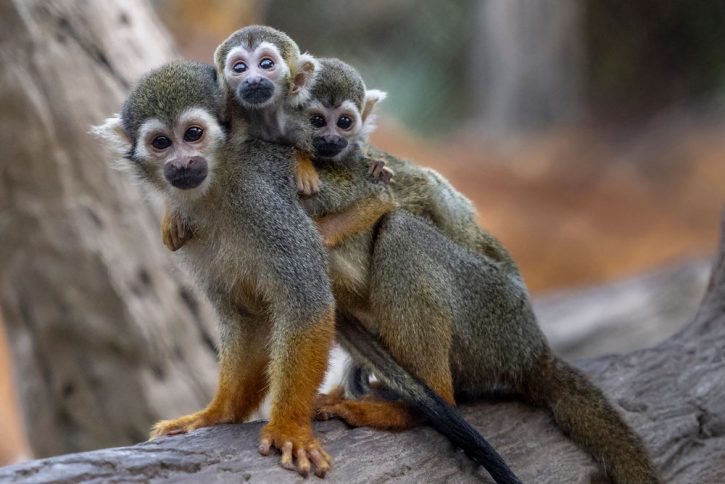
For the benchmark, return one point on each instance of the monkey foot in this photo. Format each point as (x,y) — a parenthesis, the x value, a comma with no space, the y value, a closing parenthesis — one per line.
(187,423)
(300,450)
(329,411)
(336,395)
(379,171)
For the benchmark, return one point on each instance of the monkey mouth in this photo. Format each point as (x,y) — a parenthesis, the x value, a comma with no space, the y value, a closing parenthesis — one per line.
(328,150)
(256,95)
(185,178)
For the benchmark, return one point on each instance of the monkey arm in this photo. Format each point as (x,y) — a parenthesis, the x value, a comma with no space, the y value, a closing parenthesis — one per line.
(360,216)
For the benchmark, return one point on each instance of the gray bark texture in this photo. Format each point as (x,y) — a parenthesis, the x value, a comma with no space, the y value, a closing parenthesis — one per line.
(106,336)
(673,394)
(623,316)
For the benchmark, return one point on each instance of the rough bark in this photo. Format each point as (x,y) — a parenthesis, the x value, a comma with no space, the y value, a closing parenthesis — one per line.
(625,315)
(105,334)
(672,394)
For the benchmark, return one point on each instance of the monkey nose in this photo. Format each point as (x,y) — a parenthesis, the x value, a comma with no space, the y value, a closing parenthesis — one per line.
(252,82)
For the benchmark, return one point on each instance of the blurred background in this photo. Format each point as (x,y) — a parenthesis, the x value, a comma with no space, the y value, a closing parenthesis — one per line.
(589,134)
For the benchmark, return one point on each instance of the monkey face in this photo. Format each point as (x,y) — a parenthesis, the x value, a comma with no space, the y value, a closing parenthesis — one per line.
(335,128)
(179,157)
(258,76)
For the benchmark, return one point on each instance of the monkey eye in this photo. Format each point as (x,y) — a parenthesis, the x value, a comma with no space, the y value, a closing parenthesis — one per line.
(239,67)
(266,64)
(344,122)
(317,121)
(161,142)
(192,134)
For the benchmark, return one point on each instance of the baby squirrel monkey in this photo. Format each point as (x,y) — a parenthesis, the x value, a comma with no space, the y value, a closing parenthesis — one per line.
(266,79)
(257,255)
(424,283)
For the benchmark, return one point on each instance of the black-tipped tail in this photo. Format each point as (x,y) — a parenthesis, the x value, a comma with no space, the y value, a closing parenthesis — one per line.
(365,349)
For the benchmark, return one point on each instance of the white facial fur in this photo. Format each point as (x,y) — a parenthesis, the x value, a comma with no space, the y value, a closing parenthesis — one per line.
(148,162)
(206,147)
(332,115)
(252,59)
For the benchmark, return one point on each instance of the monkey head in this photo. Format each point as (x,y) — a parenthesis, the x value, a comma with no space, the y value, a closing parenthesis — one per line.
(339,109)
(262,67)
(168,133)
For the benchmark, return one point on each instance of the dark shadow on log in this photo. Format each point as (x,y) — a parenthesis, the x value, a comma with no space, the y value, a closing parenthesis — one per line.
(673,394)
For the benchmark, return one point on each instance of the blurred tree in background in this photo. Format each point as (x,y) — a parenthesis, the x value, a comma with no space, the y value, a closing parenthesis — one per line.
(508,65)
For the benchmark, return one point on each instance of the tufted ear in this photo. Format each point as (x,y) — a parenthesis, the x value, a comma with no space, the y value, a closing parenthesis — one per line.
(113,135)
(303,79)
(372,98)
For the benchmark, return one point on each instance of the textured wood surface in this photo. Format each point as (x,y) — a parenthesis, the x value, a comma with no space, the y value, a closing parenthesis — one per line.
(673,394)
(107,336)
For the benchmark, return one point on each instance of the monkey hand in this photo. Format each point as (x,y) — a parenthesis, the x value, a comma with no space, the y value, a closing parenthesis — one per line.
(297,444)
(308,181)
(187,423)
(379,171)
(174,230)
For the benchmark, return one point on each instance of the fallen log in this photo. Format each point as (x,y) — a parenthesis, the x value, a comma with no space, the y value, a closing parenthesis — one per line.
(673,394)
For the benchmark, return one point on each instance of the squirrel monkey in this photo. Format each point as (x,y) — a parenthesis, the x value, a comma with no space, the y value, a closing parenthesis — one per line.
(343,188)
(266,79)
(424,283)
(257,254)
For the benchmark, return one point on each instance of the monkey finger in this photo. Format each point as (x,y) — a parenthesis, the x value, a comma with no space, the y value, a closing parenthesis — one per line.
(265,445)
(303,463)
(322,461)
(166,237)
(387,174)
(286,460)
(180,230)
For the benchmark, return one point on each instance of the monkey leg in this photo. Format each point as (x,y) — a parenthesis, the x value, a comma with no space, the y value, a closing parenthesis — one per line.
(175,232)
(242,382)
(337,227)
(297,367)
(410,305)
(308,181)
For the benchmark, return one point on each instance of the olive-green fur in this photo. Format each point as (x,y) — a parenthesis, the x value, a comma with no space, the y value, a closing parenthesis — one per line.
(251,36)
(449,307)
(337,82)
(165,92)
(446,299)
(256,254)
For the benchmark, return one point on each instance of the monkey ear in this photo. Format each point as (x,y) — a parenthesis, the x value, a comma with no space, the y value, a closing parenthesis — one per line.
(304,78)
(113,135)
(372,98)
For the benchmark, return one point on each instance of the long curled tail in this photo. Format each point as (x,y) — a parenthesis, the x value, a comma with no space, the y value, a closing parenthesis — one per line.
(364,348)
(582,412)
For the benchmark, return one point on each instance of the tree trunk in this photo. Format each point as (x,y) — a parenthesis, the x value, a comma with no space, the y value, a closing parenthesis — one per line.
(672,394)
(106,336)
